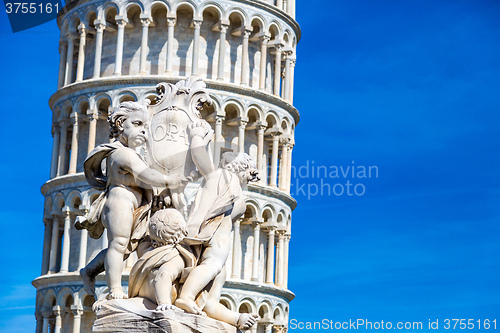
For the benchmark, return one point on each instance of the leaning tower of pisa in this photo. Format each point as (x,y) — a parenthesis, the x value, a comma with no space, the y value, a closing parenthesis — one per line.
(118,50)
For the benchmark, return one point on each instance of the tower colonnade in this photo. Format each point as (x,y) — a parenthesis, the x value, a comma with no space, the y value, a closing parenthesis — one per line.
(259,127)
(119,51)
(241,45)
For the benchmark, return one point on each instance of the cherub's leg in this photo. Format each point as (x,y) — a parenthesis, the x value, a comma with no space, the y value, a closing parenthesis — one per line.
(94,268)
(89,272)
(119,228)
(213,259)
(216,310)
(168,273)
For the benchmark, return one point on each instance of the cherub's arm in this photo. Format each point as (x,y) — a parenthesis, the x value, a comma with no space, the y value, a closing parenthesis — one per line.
(129,161)
(200,134)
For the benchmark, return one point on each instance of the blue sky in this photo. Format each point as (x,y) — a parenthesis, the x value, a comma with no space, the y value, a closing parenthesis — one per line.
(409,87)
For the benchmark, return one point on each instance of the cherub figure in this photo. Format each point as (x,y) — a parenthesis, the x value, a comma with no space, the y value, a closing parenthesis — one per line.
(162,264)
(123,205)
(158,273)
(218,203)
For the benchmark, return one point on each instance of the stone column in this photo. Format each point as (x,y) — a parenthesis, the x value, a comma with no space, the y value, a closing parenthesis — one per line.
(98,48)
(63,53)
(291,8)
(286,88)
(58,311)
(281,252)
(291,79)
(62,148)
(66,240)
(39,322)
(196,46)
(69,59)
(241,135)
(277,69)
(74,144)
(256,248)
(274,160)
(81,53)
(144,44)
(283,165)
(263,62)
(260,150)
(235,273)
(54,243)
(77,318)
(245,60)
(270,256)
(222,51)
(269,328)
(92,131)
(46,317)
(55,150)
(285,262)
(121,23)
(289,169)
(279,4)
(171,25)
(82,258)
(46,246)
(218,139)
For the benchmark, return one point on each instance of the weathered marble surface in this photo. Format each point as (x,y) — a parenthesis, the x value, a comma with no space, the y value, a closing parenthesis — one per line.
(139,315)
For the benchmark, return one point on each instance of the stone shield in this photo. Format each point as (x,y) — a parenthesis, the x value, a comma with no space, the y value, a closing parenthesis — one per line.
(168,148)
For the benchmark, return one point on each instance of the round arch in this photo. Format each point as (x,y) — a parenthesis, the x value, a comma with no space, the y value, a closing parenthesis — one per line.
(265,310)
(49,300)
(228,301)
(131,8)
(241,14)
(268,213)
(247,305)
(275,30)
(63,295)
(214,6)
(181,4)
(233,106)
(73,197)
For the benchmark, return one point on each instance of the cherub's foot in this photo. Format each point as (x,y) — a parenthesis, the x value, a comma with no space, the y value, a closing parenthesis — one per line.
(88,282)
(116,293)
(189,306)
(247,320)
(164,307)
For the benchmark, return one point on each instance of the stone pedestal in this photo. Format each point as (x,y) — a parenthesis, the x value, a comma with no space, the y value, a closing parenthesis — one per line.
(139,315)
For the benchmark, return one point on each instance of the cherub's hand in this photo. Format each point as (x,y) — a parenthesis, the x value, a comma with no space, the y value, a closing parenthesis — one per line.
(200,128)
(186,180)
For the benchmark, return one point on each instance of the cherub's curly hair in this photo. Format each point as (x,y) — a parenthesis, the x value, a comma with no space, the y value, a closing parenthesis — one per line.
(236,162)
(166,227)
(120,114)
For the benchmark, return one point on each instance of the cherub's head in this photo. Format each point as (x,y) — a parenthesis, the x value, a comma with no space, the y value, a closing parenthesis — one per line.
(240,164)
(167,226)
(128,123)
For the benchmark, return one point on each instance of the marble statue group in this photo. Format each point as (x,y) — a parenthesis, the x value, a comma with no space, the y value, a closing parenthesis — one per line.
(156,151)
